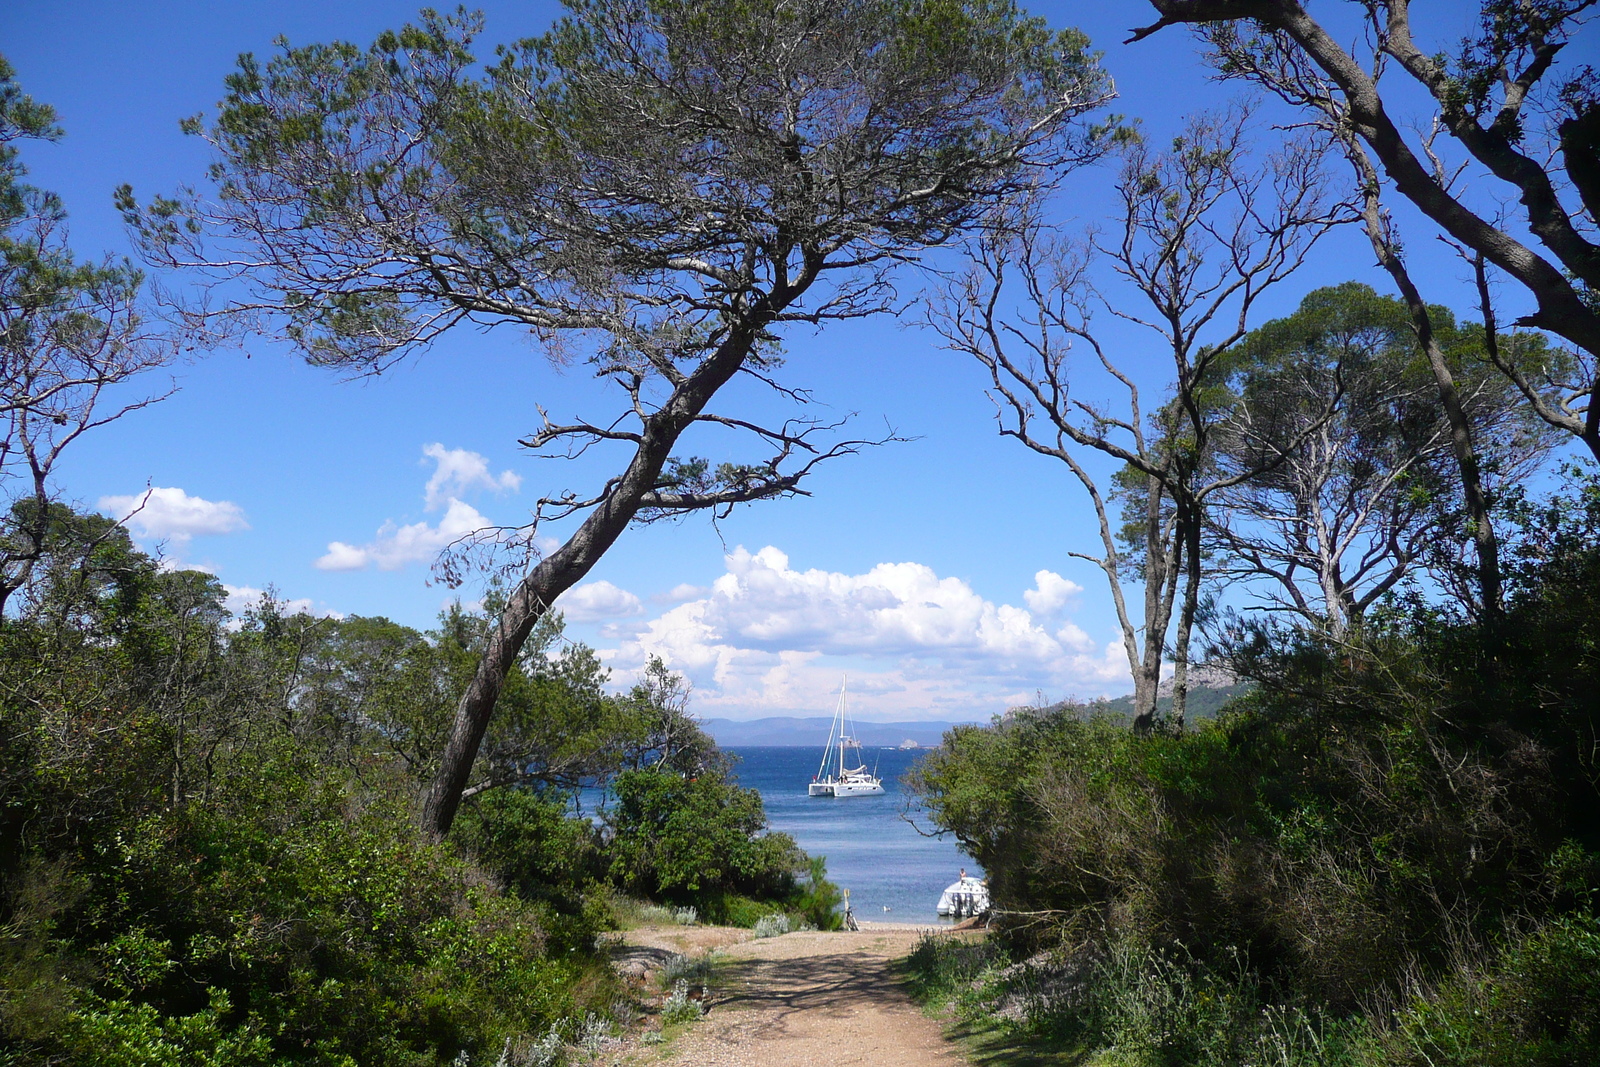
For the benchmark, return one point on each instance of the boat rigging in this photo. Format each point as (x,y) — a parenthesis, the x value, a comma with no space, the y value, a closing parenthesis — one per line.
(841,780)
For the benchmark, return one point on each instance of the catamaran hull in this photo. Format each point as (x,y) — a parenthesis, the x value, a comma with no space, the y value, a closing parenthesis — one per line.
(844,789)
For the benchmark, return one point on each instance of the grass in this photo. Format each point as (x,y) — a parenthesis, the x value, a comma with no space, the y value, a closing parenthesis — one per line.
(939,975)
(987,1043)
(631,914)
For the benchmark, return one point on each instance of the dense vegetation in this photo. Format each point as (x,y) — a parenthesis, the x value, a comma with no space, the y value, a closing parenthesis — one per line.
(209,851)
(1387,852)
(280,839)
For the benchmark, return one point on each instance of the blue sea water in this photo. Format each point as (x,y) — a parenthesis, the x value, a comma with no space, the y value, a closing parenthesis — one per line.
(893,872)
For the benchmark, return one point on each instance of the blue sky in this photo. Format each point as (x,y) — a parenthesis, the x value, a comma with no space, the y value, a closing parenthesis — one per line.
(934,573)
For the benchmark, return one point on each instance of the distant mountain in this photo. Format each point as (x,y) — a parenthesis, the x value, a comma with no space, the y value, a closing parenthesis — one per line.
(1204,701)
(813,732)
(1211,688)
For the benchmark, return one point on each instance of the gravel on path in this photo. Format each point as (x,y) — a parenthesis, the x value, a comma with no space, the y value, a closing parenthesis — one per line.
(808,998)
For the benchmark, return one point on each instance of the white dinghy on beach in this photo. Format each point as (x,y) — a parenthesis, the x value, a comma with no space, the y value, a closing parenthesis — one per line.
(964,898)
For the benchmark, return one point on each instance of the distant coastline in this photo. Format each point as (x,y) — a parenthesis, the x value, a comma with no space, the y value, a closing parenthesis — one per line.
(1209,689)
(797,732)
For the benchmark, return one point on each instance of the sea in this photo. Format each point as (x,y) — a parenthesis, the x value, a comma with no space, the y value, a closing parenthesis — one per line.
(879,847)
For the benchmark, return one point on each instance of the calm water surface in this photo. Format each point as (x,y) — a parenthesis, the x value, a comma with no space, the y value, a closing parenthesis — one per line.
(871,850)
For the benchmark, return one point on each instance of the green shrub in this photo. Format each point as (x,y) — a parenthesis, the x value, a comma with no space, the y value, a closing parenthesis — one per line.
(680,1007)
(772,926)
(818,899)
(941,964)
(696,970)
(531,842)
(1362,829)
(735,910)
(1537,1004)
(629,912)
(137,1035)
(696,839)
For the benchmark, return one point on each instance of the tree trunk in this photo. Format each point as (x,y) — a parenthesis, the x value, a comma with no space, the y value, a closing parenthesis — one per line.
(565,567)
(1485,543)
(1189,532)
(1160,576)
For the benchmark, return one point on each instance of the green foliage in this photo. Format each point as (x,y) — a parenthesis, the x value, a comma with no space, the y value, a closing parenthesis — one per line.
(595,143)
(69,330)
(1536,1004)
(531,844)
(137,1035)
(696,840)
(209,854)
(771,926)
(208,851)
(1402,818)
(818,900)
(942,966)
(679,1006)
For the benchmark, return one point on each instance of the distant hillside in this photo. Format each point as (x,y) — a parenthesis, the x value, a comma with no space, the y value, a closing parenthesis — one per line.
(1210,688)
(1204,702)
(813,732)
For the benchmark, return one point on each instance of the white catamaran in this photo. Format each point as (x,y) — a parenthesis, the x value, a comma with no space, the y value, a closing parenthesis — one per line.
(840,780)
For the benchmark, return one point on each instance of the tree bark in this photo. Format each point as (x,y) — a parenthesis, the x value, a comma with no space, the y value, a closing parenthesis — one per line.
(1160,587)
(1561,308)
(1485,543)
(566,566)
(1189,532)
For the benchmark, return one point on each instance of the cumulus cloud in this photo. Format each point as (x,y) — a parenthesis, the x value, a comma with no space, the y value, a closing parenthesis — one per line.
(769,639)
(457,472)
(396,546)
(1050,593)
(242,598)
(681,592)
(597,602)
(169,513)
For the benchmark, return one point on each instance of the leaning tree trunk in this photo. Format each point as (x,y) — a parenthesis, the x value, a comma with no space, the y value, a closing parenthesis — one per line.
(565,567)
(1485,543)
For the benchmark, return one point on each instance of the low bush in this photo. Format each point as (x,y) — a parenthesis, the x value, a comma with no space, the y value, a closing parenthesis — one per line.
(1536,1003)
(680,1006)
(943,965)
(696,970)
(772,926)
(1388,850)
(630,912)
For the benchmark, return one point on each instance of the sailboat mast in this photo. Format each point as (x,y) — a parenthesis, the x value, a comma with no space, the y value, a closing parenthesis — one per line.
(841,729)
(827,750)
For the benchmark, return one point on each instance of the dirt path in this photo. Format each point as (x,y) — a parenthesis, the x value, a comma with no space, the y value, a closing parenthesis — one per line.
(810,998)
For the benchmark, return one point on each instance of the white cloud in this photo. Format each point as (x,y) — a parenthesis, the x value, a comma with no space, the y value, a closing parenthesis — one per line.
(396,546)
(769,639)
(342,557)
(241,598)
(458,471)
(1050,593)
(169,564)
(681,592)
(169,513)
(598,601)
